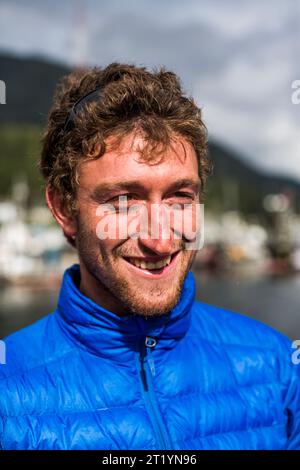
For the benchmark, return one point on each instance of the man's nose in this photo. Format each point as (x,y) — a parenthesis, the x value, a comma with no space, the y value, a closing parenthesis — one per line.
(159,236)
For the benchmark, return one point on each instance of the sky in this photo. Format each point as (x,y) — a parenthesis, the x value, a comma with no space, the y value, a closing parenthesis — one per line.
(237,58)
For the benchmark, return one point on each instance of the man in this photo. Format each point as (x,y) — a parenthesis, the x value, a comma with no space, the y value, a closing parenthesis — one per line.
(129,360)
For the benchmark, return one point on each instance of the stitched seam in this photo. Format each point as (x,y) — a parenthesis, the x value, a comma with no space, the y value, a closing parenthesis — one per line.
(237,431)
(41,364)
(228,390)
(65,412)
(235,345)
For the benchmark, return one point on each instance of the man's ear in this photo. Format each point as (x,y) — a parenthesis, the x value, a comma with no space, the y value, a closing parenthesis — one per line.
(60,213)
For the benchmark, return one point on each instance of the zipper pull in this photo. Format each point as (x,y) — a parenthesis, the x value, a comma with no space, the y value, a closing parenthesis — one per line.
(150,343)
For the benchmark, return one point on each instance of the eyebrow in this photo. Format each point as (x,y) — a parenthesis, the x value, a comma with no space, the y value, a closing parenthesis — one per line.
(106,189)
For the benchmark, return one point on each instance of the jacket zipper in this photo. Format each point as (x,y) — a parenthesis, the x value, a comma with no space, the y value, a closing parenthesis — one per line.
(146,372)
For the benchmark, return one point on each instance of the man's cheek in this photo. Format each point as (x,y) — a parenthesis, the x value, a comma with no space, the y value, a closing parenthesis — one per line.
(112,224)
(106,228)
(190,224)
(186,222)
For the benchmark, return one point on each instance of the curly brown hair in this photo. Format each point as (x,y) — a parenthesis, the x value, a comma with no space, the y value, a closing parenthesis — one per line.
(132,99)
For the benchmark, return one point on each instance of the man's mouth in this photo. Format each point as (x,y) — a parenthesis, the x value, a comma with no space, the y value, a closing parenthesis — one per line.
(150,265)
(154,266)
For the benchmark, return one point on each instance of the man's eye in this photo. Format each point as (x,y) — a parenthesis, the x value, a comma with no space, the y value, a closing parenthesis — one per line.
(181,200)
(184,195)
(122,197)
(123,202)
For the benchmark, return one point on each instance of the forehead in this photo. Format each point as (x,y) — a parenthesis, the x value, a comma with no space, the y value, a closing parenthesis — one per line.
(125,161)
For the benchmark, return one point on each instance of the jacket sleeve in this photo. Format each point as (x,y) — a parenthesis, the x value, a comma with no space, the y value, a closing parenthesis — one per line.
(291,397)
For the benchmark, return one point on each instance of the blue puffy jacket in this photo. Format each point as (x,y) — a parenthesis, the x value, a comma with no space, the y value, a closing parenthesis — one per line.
(197,378)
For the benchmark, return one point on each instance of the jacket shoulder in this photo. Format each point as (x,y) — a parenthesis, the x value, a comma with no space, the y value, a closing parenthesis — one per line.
(33,346)
(224,326)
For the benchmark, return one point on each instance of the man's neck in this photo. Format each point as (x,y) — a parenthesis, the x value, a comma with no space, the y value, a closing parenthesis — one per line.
(92,288)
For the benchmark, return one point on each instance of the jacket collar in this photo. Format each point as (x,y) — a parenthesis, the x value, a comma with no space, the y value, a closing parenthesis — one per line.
(105,333)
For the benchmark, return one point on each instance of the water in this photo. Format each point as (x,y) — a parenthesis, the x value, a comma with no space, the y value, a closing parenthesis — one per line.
(272,301)
(275,302)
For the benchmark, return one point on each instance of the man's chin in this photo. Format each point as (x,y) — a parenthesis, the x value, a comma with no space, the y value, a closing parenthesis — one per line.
(152,306)
(150,312)
(150,298)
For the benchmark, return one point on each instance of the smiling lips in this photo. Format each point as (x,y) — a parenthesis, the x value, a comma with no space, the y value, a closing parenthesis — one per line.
(146,263)
(150,265)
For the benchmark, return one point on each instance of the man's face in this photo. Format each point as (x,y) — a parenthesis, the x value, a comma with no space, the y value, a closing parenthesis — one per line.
(115,271)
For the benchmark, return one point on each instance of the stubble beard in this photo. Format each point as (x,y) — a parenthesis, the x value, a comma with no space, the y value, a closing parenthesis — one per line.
(135,302)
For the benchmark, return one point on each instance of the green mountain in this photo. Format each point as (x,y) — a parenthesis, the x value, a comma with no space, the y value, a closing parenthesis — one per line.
(30,83)
(236,184)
